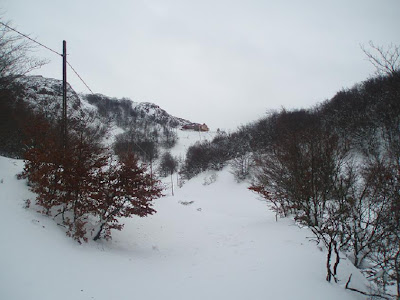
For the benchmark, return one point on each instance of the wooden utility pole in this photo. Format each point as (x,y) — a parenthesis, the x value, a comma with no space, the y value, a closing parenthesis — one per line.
(64,104)
(172,184)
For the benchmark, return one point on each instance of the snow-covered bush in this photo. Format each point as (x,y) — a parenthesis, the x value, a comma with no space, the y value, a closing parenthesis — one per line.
(79,184)
(210,179)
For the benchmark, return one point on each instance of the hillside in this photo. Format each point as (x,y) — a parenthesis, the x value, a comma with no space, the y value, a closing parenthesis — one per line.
(126,112)
(32,95)
(43,93)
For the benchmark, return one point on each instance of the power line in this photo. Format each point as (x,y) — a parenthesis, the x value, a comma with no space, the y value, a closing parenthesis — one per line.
(48,48)
(29,38)
(80,77)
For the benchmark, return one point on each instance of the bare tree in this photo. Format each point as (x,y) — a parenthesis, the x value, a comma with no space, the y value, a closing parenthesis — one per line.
(168,166)
(15,60)
(241,166)
(386,60)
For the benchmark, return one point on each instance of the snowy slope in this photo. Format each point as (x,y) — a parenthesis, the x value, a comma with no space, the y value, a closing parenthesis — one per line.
(45,95)
(186,138)
(128,111)
(153,111)
(212,241)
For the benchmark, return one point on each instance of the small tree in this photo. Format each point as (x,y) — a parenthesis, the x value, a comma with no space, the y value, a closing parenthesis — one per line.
(125,190)
(170,138)
(64,178)
(241,166)
(168,166)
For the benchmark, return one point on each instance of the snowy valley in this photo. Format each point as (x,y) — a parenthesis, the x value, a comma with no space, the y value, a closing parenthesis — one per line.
(253,156)
(215,241)
(212,238)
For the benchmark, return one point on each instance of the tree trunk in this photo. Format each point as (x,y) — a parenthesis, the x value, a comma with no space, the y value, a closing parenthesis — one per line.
(328,263)
(97,236)
(336,262)
(172,184)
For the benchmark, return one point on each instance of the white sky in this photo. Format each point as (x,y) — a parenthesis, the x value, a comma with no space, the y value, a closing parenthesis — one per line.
(221,62)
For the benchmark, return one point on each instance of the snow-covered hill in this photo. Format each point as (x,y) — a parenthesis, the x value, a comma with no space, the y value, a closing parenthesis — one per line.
(45,95)
(209,241)
(153,111)
(127,111)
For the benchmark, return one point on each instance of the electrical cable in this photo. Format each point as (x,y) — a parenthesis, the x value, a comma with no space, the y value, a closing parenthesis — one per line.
(79,77)
(29,38)
(48,48)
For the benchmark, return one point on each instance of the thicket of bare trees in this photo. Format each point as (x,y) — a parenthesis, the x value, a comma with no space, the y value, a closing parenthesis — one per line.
(348,197)
(336,169)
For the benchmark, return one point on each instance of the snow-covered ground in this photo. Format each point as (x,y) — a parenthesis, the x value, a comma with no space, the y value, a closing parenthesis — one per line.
(215,241)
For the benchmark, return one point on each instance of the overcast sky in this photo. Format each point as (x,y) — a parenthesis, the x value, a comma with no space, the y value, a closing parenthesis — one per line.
(221,62)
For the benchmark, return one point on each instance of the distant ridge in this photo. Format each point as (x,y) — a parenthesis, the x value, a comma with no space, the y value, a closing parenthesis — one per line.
(45,95)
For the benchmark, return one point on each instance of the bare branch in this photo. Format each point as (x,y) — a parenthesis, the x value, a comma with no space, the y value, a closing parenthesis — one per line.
(386,60)
(364,293)
(14,58)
